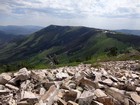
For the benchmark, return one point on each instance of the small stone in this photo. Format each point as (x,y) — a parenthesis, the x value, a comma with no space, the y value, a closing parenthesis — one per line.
(138,89)
(2,87)
(61,102)
(96,103)
(72,103)
(42,91)
(113,79)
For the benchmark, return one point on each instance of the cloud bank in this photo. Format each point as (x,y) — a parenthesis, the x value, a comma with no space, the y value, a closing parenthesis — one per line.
(109,14)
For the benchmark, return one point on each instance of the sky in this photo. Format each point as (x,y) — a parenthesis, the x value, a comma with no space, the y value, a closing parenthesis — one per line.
(105,14)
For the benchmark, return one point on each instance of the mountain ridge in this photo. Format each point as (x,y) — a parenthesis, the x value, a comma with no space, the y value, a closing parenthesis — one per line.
(20,30)
(128,31)
(68,43)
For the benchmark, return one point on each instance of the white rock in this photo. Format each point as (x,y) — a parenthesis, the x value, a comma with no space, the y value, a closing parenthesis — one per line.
(116,93)
(25,95)
(134,76)
(12,87)
(138,89)
(4,92)
(23,74)
(38,75)
(86,98)
(99,93)
(97,103)
(113,79)
(61,75)
(108,82)
(4,78)
(135,97)
(104,72)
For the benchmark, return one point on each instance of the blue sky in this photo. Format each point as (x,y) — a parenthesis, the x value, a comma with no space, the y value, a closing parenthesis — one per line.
(106,14)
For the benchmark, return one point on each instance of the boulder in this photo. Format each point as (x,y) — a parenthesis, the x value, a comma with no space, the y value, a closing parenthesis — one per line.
(116,93)
(48,97)
(61,75)
(86,98)
(106,100)
(97,76)
(88,83)
(130,87)
(23,74)
(99,93)
(47,84)
(108,82)
(4,78)
(71,95)
(39,76)
(136,98)
(29,97)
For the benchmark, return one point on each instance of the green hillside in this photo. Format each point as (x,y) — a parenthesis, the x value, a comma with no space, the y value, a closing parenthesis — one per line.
(67,44)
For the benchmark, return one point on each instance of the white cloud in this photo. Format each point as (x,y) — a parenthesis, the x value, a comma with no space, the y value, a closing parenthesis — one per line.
(97,13)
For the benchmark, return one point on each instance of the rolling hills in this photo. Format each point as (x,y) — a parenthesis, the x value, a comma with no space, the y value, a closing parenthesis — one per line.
(127,31)
(20,30)
(6,38)
(67,44)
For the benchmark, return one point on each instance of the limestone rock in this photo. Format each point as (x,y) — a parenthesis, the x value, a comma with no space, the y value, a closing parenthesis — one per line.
(112,83)
(4,78)
(12,87)
(86,98)
(71,103)
(22,75)
(96,103)
(48,97)
(29,97)
(138,89)
(61,75)
(99,93)
(136,98)
(116,93)
(108,82)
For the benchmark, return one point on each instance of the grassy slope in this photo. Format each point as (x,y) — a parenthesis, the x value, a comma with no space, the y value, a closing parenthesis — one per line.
(70,44)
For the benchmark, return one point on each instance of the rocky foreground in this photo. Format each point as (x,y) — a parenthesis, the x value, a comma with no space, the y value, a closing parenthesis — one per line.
(113,83)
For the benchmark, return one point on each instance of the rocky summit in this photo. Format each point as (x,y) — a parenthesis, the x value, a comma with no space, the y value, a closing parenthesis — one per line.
(110,83)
